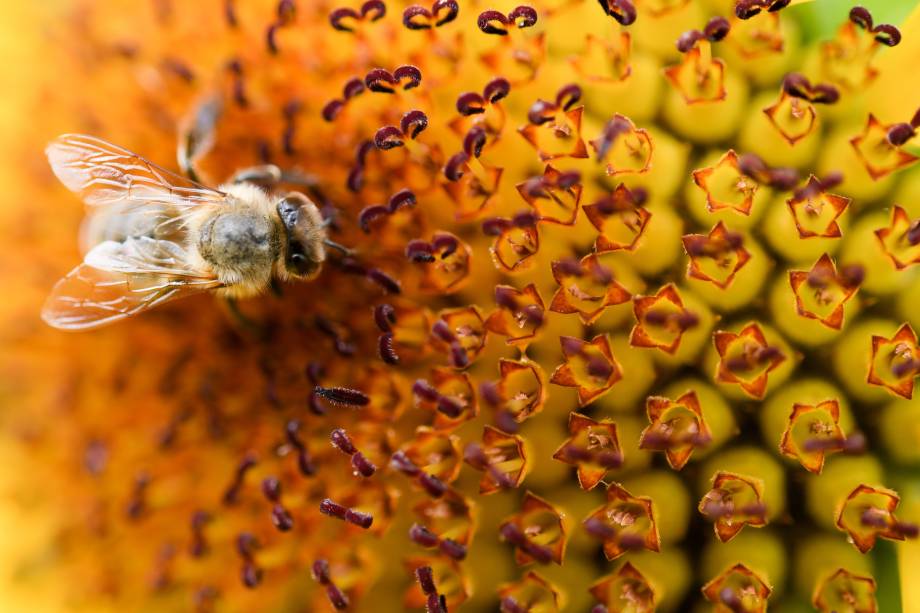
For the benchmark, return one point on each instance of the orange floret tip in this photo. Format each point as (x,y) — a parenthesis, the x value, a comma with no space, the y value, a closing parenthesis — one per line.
(699,77)
(449,395)
(815,211)
(537,531)
(822,292)
(626,590)
(589,366)
(555,196)
(677,427)
(726,186)
(586,287)
(813,431)
(593,447)
(436,575)
(619,218)
(625,523)
(554,128)
(901,239)
(738,589)
(661,320)
(875,149)
(895,362)
(716,257)
(733,502)
(517,240)
(867,514)
(531,593)
(520,315)
(843,590)
(460,334)
(613,54)
(622,148)
(518,394)
(501,457)
(746,359)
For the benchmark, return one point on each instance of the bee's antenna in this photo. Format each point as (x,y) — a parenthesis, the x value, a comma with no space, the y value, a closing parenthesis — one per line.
(337,246)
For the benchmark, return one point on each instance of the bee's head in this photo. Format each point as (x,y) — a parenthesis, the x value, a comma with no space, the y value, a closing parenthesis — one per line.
(304,232)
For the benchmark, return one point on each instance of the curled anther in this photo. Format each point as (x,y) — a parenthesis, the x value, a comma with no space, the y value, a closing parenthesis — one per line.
(474,141)
(885,34)
(495,22)
(745,9)
(413,123)
(797,85)
(623,11)
(417,17)
(346,19)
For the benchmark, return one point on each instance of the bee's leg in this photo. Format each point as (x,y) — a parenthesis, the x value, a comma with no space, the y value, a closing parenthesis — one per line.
(267,175)
(243,320)
(275,286)
(338,247)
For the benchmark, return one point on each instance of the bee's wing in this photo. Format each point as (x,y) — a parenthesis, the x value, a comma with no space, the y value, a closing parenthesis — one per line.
(120,279)
(105,174)
(88,297)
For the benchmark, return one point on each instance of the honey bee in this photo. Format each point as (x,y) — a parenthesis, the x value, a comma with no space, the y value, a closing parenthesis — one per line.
(152,236)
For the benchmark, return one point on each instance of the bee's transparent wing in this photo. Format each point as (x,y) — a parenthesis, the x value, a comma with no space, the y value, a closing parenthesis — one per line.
(105,174)
(89,297)
(120,279)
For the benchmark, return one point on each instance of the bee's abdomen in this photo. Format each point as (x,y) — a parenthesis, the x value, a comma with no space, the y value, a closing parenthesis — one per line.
(240,244)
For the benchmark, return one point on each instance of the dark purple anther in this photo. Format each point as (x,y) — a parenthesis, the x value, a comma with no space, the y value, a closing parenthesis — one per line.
(388,137)
(523,16)
(496,89)
(716,29)
(449,406)
(281,519)
(271,488)
(342,442)
(304,463)
(401,462)
(425,391)
(453,169)
(432,485)
(384,280)
(420,252)
(384,317)
(493,22)
(410,74)
(900,133)
(386,349)
(541,112)
(425,578)
(333,509)
(458,356)
(474,141)
(413,123)
(441,330)
(232,491)
(470,103)
(343,396)
(568,96)
(369,214)
(423,536)
(688,40)
(402,198)
(622,11)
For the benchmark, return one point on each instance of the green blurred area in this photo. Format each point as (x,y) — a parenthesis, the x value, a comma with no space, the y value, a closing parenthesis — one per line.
(821,18)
